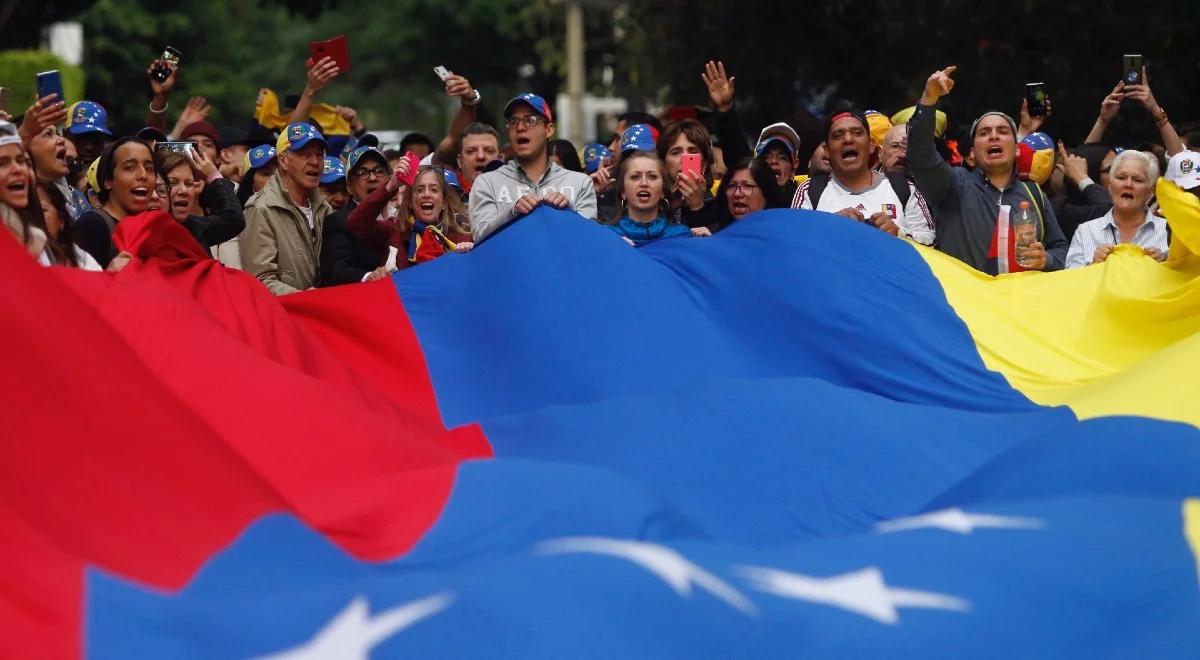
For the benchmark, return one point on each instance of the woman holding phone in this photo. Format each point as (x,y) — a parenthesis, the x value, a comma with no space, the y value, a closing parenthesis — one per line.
(126,176)
(641,184)
(185,179)
(685,147)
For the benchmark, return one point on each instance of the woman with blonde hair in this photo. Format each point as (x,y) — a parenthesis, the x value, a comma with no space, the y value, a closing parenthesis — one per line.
(437,215)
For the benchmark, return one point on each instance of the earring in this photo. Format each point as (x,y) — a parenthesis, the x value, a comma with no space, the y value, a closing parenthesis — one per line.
(624,207)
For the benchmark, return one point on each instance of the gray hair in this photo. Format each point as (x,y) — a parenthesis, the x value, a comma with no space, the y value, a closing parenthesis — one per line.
(1150,164)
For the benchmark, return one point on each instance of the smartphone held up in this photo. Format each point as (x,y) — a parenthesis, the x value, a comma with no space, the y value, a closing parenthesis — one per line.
(167,63)
(50,82)
(335,49)
(1035,99)
(1132,69)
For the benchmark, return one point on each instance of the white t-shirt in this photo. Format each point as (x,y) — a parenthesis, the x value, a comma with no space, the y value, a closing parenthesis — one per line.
(308,215)
(916,221)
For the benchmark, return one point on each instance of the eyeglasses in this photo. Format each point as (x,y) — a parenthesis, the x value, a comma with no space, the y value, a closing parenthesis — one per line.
(530,121)
(375,171)
(740,187)
(161,190)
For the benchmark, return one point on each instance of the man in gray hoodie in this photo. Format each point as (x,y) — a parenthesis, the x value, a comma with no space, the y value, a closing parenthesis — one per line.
(974,207)
(530,178)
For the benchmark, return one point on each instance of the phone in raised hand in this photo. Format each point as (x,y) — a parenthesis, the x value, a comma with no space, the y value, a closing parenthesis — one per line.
(335,49)
(1035,99)
(690,164)
(442,72)
(414,164)
(1133,69)
(50,82)
(170,60)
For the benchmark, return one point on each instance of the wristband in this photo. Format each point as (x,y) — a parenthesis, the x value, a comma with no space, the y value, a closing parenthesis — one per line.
(474,100)
(160,110)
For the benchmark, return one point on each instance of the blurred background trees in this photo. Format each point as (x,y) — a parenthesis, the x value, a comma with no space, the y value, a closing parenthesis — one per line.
(792,60)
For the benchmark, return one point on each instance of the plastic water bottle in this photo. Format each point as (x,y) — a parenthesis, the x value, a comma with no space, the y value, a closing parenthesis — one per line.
(1025,231)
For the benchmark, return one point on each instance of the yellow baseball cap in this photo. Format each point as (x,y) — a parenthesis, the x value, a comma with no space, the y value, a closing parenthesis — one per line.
(939,119)
(297,135)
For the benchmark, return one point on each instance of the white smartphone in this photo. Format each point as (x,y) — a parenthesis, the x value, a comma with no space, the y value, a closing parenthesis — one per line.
(442,72)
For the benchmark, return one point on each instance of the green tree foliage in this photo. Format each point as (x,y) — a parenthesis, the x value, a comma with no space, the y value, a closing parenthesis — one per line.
(786,56)
(19,68)
(232,48)
(879,53)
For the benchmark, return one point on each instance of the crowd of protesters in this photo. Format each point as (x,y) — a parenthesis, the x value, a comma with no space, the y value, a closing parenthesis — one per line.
(304,196)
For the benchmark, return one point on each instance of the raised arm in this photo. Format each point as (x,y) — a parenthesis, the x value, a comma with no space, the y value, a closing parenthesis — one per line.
(933,175)
(1108,110)
(363,222)
(729,130)
(45,112)
(156,114)
(460,87)
(195,110)
(319,76)
(1142,94)
(226,218)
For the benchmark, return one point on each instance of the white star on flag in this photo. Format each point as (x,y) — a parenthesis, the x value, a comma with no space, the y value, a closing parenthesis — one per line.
(353,632)
(863,592)
(957,520)
(670,566)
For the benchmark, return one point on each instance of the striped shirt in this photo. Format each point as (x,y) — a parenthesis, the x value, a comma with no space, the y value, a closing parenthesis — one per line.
(1104,231)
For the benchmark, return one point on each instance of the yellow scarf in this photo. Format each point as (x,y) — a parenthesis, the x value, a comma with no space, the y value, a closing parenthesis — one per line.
(267,113)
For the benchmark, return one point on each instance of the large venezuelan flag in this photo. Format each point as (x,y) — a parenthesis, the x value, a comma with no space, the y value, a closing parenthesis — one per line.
(800,437)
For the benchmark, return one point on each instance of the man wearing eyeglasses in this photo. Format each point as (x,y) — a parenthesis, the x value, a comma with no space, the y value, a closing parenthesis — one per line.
(530,179)
(344,257)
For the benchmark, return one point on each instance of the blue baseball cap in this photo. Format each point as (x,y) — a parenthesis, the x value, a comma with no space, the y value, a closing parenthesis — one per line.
(87,117)
(593,154)
(451,178)
(297,135)
(259,156)
(334,171)
(337,143)
(357,155)
(532,100)
(351,145)
(639,137)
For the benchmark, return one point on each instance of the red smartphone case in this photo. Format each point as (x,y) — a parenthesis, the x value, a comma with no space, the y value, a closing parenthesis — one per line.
(335,48)
(414,164)
(690,164)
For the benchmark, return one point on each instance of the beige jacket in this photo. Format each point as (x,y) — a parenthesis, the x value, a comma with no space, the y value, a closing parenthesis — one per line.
(277,246)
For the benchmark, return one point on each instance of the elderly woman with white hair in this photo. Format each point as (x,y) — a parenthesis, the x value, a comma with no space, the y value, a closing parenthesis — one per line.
(1131,184)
